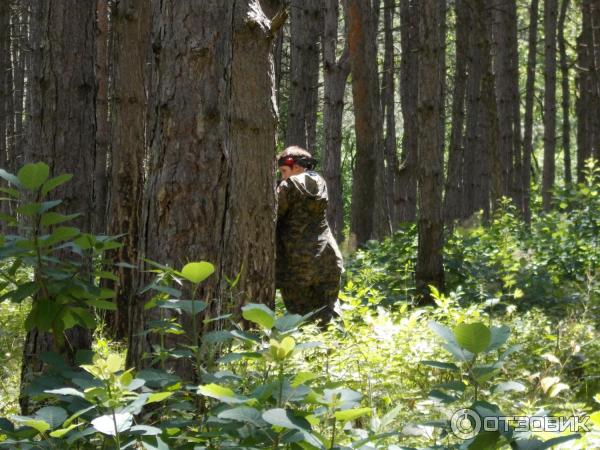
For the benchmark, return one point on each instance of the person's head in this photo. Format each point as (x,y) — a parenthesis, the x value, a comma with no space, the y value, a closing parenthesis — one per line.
(293,161)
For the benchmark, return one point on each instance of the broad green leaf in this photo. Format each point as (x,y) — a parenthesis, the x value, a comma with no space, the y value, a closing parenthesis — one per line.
(102,304)
(499,337)
(106,424)
(10,178)
(158,397)
(114,363)
(474,337)
(66,391)
(196,272)
(442,331)
(37,424)
(60,433)
(221,393)
(259,314)
(33,175)
(29,209)
(286,419)
(52,415)
(53,218)
(22,292)
(53,183)
(439,365)
(243,414)
(348,415)
(145,430)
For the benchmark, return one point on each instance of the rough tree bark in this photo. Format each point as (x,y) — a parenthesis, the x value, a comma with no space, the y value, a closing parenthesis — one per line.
(506,69)
(62,130)
(102,121)
(430,270)
(5,88)
(529,98)
(335,76)
(454,180)
(479,142)
(566,94)
(306,28)
(210,192)
(19,50)
(369,215)
(407,178)
(550,18)
(393,192)
(130,21)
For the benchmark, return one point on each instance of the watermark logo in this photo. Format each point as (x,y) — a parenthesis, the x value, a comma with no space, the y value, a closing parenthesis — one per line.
(466,423)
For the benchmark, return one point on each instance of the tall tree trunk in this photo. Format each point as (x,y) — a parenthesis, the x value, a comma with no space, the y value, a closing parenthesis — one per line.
(588,94)
(369,215)
(63,131)
(481,132)
(5,88)
(529,98)
(335,74)
(506,69)
(594,46)
(306,27)
(19,50)
(430,270)
(393,192)
(130,43)
(566,94)
(454,180)
(211,143)
(102,124)
(550,14)
(407,178)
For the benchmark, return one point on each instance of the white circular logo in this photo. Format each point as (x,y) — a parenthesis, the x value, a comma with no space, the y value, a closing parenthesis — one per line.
(465,423)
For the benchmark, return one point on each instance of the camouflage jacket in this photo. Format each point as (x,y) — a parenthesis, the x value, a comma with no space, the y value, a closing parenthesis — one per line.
(307,252)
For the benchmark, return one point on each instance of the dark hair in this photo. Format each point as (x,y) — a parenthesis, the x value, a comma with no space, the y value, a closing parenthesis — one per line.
(296,155)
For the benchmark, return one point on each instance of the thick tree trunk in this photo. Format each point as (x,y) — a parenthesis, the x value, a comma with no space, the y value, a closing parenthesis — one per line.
(335,76)
(594,49)
(550,14)
(529,98)
(566,94)
(130,44)
(210,192)
(102,124)
(393,192)
(63,130)
(454,180)
(369,215)
(306,28)
(430,270)
(506,69)
(480,134)
(407,178)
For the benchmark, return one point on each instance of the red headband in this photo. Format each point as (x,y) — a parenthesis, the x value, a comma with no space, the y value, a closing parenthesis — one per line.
(286,161)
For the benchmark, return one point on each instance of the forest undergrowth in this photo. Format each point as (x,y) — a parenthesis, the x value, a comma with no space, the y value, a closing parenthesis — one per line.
(515,334)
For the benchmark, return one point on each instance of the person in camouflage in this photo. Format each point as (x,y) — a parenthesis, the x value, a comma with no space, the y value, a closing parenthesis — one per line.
(309,263)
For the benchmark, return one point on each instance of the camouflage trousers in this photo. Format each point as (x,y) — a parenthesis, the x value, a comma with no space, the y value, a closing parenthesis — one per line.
(299,299)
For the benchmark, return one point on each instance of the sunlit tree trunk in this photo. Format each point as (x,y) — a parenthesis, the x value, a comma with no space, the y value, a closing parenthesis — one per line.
(306,28)
(335,75)
(210,191)
(429,270)
(62,131)
(369,214)
(566,93)
(407,178)
(529,98)
(130,21)
(454,180)
(550,13)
